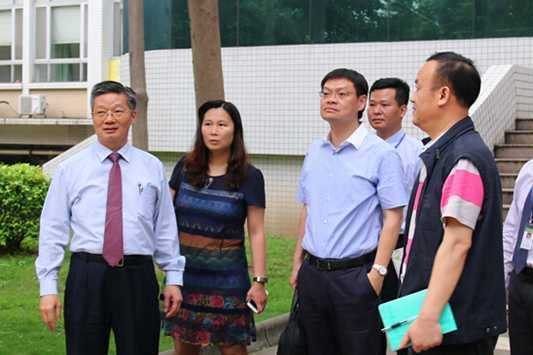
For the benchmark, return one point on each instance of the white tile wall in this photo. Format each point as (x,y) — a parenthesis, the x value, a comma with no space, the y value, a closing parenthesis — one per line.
(275,89)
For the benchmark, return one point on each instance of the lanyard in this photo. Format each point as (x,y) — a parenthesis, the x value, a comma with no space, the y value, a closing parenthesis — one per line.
(400,142)
(531,215)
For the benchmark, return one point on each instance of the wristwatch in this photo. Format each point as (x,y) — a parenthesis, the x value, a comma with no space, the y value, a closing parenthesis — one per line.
(381,269)
(260,279)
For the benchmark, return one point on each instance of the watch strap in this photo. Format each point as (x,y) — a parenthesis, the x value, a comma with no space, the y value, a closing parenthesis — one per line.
(260,279)
(379,268)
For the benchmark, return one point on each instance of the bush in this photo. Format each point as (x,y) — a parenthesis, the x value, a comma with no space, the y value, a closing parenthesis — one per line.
(23,188)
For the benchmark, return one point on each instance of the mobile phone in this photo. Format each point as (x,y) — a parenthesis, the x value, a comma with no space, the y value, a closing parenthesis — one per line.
(251,304)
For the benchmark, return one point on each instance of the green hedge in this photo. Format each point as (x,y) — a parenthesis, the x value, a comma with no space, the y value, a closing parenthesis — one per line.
(23,188)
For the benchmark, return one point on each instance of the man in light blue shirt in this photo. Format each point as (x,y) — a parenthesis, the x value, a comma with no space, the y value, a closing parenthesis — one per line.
(349,224)
(386,108)
(99,296)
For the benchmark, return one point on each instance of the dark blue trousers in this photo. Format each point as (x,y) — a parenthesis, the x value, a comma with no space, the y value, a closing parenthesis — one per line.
(481,347)
(521,314)
(339,311)
(99,298)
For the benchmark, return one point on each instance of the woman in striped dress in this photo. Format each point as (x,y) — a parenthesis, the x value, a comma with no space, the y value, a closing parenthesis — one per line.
(216,191)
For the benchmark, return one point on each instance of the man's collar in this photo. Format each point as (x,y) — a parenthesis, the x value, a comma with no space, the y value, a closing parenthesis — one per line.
(395,138)
(103,152)
(459,128)
(356,138)
(433,141)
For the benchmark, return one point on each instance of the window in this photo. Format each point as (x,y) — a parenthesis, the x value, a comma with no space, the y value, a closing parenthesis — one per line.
(61,43)
(11,45)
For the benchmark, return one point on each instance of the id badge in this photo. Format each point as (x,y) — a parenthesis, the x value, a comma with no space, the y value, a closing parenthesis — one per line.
(527,239)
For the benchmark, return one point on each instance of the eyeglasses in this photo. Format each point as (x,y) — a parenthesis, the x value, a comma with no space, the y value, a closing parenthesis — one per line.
(339,95)
(118,114)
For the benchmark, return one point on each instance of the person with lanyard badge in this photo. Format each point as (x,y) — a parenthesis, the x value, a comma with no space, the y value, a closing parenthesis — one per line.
(216,191)
(386,109)
(518,256)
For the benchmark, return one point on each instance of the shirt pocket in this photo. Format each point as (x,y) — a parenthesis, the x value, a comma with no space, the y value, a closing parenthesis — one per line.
(146,201)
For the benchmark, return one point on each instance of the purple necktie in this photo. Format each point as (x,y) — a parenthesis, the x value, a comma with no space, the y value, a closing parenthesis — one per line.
(113,243)
(520,255)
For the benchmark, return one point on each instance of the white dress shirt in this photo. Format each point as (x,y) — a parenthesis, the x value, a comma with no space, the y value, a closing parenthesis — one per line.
(76,202)
(523,184)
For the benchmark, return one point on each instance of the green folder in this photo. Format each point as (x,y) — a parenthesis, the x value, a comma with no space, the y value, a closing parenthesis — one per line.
(406,309)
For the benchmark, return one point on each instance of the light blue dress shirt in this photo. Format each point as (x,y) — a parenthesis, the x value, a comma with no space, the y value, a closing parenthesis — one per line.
(408,149)
(345,191)
(77,200)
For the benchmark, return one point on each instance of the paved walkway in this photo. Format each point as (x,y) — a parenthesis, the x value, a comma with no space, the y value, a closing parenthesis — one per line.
(268,333)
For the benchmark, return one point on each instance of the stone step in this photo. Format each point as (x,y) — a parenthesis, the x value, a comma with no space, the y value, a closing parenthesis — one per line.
(508,180)
(513,151)
(525,124)
(507,196)
(519,137)
(510,165)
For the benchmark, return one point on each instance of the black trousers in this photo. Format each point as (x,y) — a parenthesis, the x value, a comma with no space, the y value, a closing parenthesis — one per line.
(99,298)
(521,314)
(339,310)
(482,347)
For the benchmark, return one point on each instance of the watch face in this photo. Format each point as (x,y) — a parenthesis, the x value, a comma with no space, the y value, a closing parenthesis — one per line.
(382,270)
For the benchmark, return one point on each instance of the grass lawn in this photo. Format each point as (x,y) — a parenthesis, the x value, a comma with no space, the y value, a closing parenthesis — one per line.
(22,330)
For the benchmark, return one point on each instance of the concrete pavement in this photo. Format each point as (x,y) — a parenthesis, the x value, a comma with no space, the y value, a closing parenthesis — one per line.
(268,332)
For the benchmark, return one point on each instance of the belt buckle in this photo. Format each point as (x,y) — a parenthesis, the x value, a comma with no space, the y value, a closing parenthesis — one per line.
(329,265)
(120,263)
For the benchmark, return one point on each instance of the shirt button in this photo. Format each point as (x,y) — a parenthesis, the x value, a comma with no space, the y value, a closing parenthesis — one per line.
(325,221)
(328,198)
(323,244)
(331,176)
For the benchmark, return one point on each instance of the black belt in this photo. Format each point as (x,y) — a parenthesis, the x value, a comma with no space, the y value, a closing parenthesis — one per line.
(125,261)
(334,264)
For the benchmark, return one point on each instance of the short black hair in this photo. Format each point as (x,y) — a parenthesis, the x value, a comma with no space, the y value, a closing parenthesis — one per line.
(359,82)
(459,74)
(402,89)
(114,87)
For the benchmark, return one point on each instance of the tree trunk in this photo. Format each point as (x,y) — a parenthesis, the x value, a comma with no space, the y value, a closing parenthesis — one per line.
(137,72)
(206,53)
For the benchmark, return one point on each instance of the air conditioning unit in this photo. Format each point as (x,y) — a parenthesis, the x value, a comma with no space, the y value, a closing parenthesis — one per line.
(32,104)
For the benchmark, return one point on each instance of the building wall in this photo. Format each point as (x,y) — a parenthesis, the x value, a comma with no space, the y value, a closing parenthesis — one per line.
(276,90)
(276,87)
(65,103)
(62,103)
(11,96)
(45,132)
